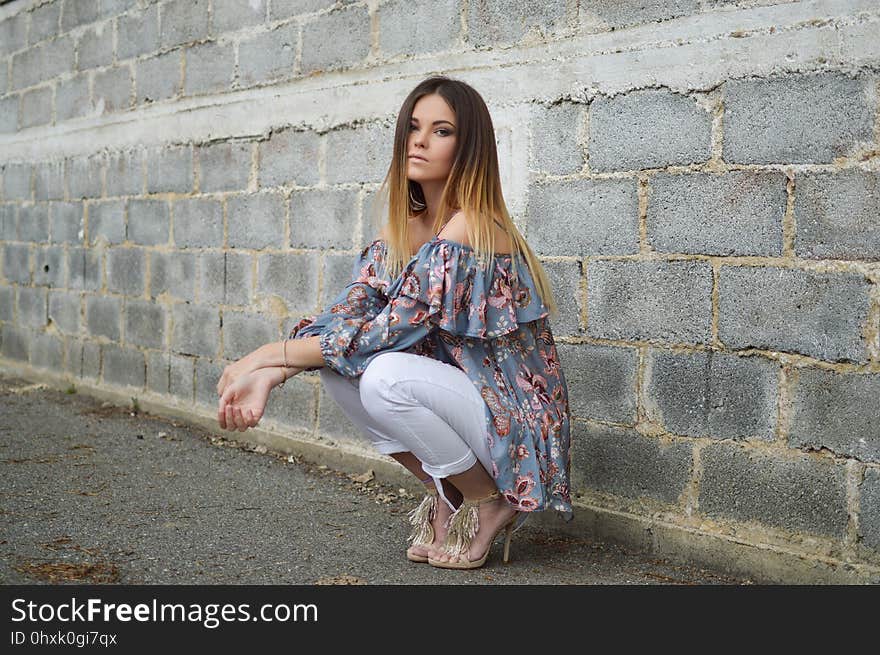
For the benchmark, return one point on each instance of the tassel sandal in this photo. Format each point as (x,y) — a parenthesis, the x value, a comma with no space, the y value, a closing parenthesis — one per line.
(423,532)
(463,526)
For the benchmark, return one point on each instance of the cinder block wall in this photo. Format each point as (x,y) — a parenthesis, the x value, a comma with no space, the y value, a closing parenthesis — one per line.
(183,180)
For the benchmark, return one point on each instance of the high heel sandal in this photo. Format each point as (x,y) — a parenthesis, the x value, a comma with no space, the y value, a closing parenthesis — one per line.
(463,526)
(423,532)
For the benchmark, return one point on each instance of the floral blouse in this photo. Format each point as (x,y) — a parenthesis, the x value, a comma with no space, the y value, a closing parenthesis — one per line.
(492,325)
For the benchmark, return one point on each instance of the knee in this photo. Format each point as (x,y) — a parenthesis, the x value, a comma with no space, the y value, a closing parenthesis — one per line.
(378,379)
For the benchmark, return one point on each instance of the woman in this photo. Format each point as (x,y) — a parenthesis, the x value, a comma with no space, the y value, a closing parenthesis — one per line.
(439,349)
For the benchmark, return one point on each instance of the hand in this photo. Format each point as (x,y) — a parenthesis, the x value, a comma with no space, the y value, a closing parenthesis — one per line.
(244,400)
(247,364)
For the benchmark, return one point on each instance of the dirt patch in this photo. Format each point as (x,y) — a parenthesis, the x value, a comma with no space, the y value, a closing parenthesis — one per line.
(58,572)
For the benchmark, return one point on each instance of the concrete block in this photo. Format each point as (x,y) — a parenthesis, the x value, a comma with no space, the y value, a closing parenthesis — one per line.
(91,360)
(712,394)
(173,273)
(85,176)
(209,67)
(8,222)
(499,22)
(418,27)
(565,286)
(65,308)
(103,315)
(837,411)
(198,222)
(798,493)
(157,371)
(322,51)
(45,22)
(196,330)
(836,215)
(211,277)
(207,374)
(149,221)
(233,15)
(583,217)
(144,324)
(73,98)
(239,278)
(81,12)
(58,57)
(107,221)
(49,181)
(268,56)
(125,270)
(555,133)
(289,158)
(359,154)
(47,352)
(7,304)
(764,118)
(170,170)
(36,107)
(820,315)
(622,462)
(66,222)
(73,356)
(123,366)
(224,166)
(245,332)
(50,266)
(9,114)
(32,306)
(650,301)
(323,218)
(648,128)
(293,405)
(279,9)
(158,78)
(869,514)
(255,220)
(290,278)
(95,46)
(137,32)
(183,21)
(601,381)
(112,90)
(125,173)
(181,377)
(15,342)
(736,214)
(33,222)
(16,263)
(17,181)
(85,268)
(13,33)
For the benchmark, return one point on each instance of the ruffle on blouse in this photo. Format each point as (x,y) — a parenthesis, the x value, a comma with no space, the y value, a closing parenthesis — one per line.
(467,297)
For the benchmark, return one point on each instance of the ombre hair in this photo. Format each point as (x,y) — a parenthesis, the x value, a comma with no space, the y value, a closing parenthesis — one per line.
(473,186)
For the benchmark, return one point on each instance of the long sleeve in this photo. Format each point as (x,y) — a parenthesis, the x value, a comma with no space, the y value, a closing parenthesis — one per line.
(409,316)
(360,300)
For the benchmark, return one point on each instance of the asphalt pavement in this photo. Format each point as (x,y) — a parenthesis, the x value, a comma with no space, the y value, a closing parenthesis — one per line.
(94,493)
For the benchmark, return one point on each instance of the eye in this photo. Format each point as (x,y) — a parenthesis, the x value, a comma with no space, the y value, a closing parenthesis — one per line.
(441,129)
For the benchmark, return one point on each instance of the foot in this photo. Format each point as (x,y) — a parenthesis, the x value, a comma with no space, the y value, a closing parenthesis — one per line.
(492,515)
(438,523)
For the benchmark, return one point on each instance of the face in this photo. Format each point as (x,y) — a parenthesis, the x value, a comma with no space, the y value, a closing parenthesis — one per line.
(432,135)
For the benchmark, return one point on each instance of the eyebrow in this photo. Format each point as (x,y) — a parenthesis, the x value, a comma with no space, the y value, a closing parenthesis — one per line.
(434,123)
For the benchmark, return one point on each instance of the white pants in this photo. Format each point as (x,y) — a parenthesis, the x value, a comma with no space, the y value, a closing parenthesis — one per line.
(409,403)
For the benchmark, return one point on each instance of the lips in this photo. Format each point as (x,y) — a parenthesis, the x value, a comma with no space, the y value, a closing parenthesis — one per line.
(420,158)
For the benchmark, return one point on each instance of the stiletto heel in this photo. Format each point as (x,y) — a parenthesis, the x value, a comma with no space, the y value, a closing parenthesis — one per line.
(463,525)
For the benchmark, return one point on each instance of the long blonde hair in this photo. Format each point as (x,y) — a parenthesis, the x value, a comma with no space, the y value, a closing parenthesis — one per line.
(473,186)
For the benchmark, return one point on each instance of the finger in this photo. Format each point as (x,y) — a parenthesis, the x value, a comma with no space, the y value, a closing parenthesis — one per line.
(230,418)
(239,420)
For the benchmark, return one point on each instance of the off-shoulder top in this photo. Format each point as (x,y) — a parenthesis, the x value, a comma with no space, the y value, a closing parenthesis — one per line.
(487,321)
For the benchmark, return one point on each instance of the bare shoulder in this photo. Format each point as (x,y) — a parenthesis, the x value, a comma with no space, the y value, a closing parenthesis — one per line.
(456,230)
